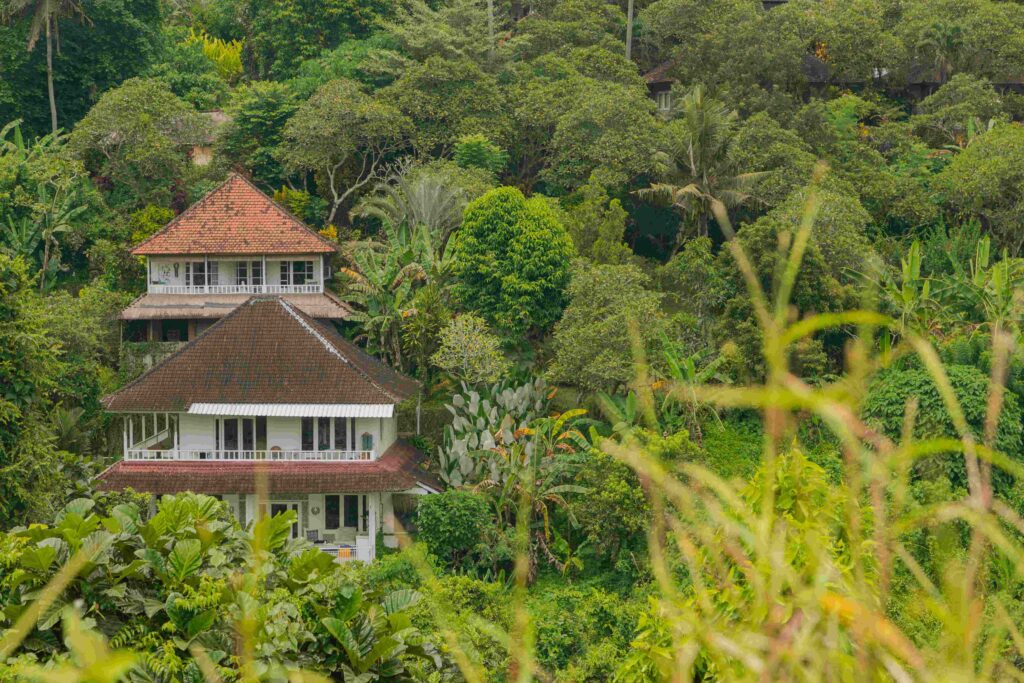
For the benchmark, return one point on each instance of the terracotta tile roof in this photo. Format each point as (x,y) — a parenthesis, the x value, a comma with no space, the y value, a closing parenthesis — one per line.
(398,469)
(325,306)
(235,218)
(265,351)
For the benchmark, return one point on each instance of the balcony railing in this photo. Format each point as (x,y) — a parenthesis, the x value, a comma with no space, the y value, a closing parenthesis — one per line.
(136,454)
(311,288)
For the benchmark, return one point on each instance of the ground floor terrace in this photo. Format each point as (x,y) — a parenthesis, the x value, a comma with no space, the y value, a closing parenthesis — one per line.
(344,507)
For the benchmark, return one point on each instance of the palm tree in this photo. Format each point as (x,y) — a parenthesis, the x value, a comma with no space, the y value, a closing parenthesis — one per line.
(699,172)
(45,17)
(411,197)
(57,218)
(944,41)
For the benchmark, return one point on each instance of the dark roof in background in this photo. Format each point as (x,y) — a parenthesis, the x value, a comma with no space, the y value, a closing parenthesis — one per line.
(235,218)
(398,469)
(265,351)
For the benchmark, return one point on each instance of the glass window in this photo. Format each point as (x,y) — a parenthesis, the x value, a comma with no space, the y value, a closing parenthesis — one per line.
(332,512)
(256,268)
(285,272)
(213,273)
(323,433)
(367,442)
(195,274)
(231,435)
(302,272)
(216,434)
(340,434)
(248,434)
(307,433)
(351,511)
(261,433)
(242,273)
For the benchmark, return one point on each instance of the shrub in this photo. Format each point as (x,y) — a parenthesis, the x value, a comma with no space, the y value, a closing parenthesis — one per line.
(452,523)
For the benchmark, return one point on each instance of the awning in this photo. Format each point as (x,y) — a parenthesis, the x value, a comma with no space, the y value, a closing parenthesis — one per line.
(294,409)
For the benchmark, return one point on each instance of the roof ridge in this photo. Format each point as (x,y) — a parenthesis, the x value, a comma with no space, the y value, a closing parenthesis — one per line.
(285,212)
(311,328)
(192,206)
(235,175)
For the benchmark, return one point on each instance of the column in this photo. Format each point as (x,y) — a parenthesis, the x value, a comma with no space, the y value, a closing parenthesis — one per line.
(124,430)
(374,502)
(388,512)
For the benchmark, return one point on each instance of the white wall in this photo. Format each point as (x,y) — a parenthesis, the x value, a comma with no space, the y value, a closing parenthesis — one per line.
(196,432)
(161,268)
(284,432)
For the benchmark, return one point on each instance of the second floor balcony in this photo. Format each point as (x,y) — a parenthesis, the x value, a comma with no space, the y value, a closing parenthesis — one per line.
(244,288)
(259,275)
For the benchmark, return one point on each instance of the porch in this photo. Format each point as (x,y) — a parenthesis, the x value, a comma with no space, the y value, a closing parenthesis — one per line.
(240,275)
(200,436)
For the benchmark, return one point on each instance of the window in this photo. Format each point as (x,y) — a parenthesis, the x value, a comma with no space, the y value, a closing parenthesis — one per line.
(307,433)
(332,512)
(201,273)
(261,433)
(231,435)
(323,433)
(216,434)
(248,434)
(195,273)
(351,511)
(664,101)
(341,433)
(248,272)
(367,442)
(296,272)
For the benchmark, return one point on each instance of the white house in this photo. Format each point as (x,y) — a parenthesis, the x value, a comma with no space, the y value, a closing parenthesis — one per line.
(264,404)
(233,243)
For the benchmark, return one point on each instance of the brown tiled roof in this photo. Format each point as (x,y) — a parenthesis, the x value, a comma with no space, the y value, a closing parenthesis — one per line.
(398,469)
(325,306)
(265,351)
(235,218)
(660,73)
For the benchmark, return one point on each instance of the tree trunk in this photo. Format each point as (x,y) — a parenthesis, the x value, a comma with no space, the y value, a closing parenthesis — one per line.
(490,29)
(46,262)
(49,77)
(629,30)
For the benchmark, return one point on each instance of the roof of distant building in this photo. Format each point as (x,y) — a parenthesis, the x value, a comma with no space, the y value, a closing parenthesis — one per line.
(264,351)
(235,218)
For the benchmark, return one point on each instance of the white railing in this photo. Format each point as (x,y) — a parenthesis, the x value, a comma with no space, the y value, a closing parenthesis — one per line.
(360,552)
(313,288)
(272,454)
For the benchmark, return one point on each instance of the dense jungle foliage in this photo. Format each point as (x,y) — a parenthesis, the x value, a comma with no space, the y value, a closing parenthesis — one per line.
(716,305)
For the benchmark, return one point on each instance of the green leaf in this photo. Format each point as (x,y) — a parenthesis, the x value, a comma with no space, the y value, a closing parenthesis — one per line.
(185,560)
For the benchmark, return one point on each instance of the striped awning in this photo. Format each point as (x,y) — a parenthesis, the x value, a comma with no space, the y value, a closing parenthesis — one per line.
(294,409)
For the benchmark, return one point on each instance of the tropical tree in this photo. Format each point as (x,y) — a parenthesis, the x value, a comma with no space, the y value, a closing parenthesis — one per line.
(944,42)
(344,137)
(45,17)
(470,351)
(412,196)
(57,218)
(699,172)
(512,258)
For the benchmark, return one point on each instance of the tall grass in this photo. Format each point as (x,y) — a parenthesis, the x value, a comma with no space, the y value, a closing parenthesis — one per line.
(790,577)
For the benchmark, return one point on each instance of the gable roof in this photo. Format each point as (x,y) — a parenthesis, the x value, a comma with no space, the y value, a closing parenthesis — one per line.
(265,351)
(235,218)
(323,306)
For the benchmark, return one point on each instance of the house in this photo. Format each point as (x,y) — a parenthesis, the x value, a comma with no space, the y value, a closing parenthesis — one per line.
(272,410)
(659,86)
(202,152)
(233,243)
